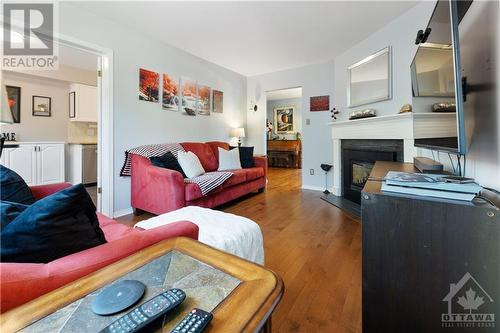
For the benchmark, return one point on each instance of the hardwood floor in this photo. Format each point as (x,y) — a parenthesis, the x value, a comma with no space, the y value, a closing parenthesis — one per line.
(314,246)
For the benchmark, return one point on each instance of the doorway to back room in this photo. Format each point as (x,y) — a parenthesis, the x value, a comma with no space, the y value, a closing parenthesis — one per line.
(284,128)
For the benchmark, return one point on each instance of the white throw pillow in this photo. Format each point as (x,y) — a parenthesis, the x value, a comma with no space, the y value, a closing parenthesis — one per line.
(190,164)
(229,159)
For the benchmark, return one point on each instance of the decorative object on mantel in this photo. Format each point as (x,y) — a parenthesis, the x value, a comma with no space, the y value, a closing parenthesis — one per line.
(405,108)
(334,112)
(368,113)
(319,103)
(326,168)
(444,107)
(149,85)
(237,133)
(41,106)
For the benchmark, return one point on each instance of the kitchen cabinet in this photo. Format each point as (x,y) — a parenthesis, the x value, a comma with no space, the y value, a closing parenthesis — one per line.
(84,102)
(37,163)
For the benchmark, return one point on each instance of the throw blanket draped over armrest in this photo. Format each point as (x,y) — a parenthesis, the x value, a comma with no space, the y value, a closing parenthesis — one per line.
(148,151)
(210,180)
(207,182)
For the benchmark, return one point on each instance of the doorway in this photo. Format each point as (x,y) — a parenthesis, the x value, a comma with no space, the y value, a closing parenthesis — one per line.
(284,128)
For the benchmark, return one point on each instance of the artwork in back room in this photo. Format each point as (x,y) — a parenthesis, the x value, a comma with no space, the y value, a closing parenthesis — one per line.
(319,103)
(217,101)
(284,120)
(204,100)
(149,85)
(189,96)
(41,106)
(170,96)
(14,100)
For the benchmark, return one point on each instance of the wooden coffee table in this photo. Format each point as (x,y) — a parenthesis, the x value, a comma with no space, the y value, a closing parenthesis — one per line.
(241,295)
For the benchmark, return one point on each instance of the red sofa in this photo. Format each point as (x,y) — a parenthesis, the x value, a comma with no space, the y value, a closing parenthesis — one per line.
(22,282)
(159,190)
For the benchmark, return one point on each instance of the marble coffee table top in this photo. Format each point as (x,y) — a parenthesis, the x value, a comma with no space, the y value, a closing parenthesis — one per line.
(204,285)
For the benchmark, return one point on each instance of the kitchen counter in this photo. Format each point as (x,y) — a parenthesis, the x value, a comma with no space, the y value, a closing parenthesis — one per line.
(82,143)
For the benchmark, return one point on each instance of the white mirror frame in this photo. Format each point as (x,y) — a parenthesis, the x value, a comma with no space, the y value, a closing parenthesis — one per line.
(365,60)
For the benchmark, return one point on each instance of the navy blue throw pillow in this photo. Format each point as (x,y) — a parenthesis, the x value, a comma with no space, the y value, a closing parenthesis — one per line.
(53,227)
(246,157)
(167,161)
(13,188)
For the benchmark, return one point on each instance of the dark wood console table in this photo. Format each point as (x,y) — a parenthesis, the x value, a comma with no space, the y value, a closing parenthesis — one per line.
(284,153)
(421,256)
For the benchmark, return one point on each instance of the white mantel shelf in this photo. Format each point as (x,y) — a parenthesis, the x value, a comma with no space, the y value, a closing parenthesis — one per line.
(398,126)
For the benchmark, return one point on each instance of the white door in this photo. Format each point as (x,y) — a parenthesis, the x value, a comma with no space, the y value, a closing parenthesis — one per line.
(23,161)
(50,163)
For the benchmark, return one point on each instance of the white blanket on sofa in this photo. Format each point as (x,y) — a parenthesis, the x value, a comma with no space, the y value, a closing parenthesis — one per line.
(227,232)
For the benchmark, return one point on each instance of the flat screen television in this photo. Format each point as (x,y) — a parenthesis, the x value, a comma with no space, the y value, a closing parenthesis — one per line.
(438,112)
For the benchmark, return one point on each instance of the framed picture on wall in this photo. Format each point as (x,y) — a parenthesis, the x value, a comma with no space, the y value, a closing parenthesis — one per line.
(217,101)
(72,100)
(204,93)
(41,106)
(284,120)
(14,101)
(149,85)
(319,103)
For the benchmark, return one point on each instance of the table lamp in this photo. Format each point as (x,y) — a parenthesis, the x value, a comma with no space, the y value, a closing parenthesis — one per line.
(238,133)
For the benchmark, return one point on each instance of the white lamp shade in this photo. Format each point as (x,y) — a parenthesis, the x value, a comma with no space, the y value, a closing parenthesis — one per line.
(237,132)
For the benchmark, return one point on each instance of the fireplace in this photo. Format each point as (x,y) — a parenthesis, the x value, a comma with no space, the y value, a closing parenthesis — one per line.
(358,158)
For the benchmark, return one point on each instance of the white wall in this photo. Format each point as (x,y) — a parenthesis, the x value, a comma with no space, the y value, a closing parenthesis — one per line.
(295,102)
(400,35)
(139,122)
(33,128)
(317,145)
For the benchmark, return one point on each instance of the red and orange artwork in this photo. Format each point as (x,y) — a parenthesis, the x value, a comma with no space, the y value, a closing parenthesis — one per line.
(149,85)
(204,100)
(319,103)
(189,96)
(170,96)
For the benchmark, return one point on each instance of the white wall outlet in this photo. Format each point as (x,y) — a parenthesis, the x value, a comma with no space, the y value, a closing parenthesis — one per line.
(311,172)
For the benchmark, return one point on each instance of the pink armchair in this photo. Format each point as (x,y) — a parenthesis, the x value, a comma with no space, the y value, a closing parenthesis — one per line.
(22,282)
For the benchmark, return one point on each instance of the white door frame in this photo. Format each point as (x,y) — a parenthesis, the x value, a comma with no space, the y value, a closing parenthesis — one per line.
(105,154)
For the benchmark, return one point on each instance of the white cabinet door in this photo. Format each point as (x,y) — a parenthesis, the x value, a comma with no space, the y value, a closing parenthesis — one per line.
(23,161)
(85,103)
(50,163)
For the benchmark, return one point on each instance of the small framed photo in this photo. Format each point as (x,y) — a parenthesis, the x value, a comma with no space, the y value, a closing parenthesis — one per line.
(41,106)
(72,100)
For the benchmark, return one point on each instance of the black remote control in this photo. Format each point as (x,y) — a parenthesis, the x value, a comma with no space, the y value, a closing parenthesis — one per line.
(146,313)
(194,322)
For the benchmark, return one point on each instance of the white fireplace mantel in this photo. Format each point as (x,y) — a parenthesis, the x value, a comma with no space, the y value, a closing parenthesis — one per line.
(399,127)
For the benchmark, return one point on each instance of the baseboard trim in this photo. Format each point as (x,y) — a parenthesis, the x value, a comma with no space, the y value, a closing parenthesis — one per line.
(334,190)
(123,212)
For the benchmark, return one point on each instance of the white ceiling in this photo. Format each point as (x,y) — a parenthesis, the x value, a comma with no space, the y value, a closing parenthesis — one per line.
(284,94)
(253,38)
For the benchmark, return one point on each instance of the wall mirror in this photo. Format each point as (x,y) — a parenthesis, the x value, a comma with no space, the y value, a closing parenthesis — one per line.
(370,80)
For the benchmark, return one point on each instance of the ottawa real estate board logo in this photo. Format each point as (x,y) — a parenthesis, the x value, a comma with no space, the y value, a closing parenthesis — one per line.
(28,36)
(467,305)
